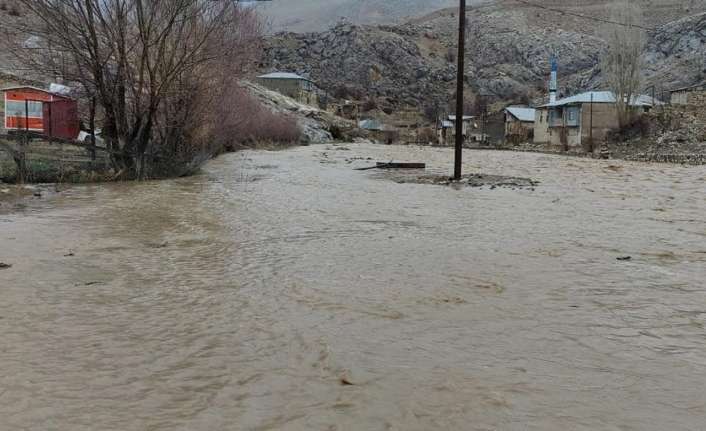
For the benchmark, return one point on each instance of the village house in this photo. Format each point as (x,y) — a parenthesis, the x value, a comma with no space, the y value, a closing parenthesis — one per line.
(405,125)
(694,95)
(379,131)
(297,87)
(577,122)
(371,125)
(39,111)
(519,124)
(446,129)
(8,80)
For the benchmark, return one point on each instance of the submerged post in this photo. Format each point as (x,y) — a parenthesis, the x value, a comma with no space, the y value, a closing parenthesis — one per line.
(458,159)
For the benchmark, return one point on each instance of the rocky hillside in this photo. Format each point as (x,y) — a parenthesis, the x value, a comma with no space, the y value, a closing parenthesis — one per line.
(359,62)
(677,54)
(508,53)
(317,126)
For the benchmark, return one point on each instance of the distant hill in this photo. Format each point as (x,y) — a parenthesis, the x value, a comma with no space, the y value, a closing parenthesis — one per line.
(317,15)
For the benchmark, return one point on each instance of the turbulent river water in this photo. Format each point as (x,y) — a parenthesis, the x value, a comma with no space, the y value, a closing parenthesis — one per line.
(247,297)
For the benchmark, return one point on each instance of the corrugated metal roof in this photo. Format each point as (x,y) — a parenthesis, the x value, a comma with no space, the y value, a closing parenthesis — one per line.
(599,97)
(30,87)
(370,125)
(283,75)
(691,87)
(522,114)
(446,124)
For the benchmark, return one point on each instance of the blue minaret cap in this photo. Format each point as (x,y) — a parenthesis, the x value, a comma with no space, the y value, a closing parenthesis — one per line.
(553,86)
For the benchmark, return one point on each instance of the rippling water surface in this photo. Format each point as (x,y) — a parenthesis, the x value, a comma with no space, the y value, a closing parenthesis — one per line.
(239,299)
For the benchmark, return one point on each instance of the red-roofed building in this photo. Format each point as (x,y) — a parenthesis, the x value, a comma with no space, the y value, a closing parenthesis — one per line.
(39,111)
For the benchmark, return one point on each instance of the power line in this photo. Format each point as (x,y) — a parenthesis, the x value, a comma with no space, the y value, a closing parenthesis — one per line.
(587,17)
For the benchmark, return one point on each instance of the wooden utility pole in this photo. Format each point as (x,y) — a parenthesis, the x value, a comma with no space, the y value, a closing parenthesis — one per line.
(458,159)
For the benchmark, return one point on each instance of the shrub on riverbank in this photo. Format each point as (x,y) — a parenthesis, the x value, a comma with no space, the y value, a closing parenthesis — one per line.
(247,123)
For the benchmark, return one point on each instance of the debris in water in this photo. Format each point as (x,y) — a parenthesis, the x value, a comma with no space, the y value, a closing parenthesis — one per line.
(70,254)
(158,245)
(345,381)
(625,258)
(5,265)
(401,165)
(395,165)
(474,180)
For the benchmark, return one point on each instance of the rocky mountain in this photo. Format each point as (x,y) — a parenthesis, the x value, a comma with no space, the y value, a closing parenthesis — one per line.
(508,52)
(352,62)
(676,55)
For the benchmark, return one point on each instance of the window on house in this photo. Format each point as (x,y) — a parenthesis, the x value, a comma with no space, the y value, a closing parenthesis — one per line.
(553,116)
(573,116)
(17,108)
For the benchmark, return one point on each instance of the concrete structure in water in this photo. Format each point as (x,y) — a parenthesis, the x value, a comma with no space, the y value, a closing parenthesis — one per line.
(581,121)
(297,87)
(694,95)
(519,124)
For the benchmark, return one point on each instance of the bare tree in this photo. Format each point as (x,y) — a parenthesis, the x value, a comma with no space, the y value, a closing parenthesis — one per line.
(151,65)
(622,64)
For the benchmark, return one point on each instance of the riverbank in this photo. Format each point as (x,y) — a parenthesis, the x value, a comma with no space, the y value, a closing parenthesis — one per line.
(675,134)
(75,163)
(680,154)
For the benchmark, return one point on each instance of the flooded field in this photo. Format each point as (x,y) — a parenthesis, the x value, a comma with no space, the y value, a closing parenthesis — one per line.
(284,290)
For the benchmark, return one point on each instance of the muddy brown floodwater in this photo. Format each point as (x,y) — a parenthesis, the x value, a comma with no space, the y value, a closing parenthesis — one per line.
(250,296)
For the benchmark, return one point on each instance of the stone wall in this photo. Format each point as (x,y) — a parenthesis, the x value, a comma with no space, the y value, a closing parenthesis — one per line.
(697,99)
(693,115)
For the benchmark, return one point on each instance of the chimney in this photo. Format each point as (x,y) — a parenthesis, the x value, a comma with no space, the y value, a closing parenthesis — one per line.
(553,81)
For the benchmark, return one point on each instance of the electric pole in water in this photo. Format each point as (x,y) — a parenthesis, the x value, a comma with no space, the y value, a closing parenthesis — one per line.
(458,159)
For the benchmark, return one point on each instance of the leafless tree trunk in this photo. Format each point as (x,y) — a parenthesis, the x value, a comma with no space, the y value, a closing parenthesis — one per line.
(153,66)
(20,158)
(622,64)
